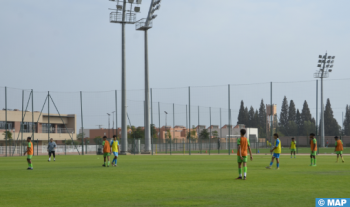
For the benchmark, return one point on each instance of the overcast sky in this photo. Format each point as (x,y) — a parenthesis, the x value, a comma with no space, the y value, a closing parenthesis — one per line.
(71,46)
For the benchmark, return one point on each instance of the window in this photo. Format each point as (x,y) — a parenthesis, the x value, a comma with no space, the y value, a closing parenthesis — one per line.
(47,127)
(28,126)
(10,125)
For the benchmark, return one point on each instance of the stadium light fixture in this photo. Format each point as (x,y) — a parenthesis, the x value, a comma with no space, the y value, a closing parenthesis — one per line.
(123,16)
(326,63)
(166,118)
(144,25)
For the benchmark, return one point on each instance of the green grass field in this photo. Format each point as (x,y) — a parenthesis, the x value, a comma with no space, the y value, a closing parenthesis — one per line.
(170,181)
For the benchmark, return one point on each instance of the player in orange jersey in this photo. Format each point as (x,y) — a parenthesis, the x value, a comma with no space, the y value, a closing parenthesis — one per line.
(29,153)
(243,146)
(106,151)
(338,148)
(313,145)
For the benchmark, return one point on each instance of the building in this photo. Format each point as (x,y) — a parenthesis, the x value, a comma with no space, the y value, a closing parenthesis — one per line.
(60,128)
(178,133)
(271,113)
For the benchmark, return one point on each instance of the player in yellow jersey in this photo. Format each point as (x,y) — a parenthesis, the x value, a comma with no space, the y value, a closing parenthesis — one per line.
(338,148)
(243,146)
(313,146)
(293,147)
(277,151)
(29,153)
(115,150)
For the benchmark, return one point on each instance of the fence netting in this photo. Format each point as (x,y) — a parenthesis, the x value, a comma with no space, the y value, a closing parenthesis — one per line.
(187,120)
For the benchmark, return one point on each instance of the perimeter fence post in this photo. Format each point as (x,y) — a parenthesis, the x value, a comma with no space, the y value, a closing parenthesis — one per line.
(152,122)
(82,123)
(6,121)
(189,119)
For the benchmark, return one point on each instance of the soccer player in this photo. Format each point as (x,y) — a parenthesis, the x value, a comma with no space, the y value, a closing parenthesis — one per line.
(338,148)
(51,149)
(243,145)
(29,153)
(106,151)
(293,147)
(115,150)
(277,151)
(313,145)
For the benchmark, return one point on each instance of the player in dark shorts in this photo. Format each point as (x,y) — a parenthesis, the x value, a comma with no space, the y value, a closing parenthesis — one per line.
(51,149)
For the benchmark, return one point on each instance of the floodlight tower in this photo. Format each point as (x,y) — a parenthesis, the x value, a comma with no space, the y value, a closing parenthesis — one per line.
(123,16)
(144,25)
(326,65)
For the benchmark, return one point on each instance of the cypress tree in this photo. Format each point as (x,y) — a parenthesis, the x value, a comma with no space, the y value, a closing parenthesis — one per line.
(292,111)
(346,123)
(331,127)
(298,122)
(283,122)
(305,112)
(306,118)
(256,119)
(246,117)
(262,119)
(251,117)
(241,119)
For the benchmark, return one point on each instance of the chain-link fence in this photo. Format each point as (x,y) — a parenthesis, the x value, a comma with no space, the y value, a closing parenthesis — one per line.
(188,120)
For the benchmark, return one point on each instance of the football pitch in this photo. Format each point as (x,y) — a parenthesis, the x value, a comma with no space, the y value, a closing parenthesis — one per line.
(178,180)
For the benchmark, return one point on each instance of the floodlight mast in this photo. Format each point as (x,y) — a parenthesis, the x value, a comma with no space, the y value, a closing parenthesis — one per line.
(323,73)
(145,25)
(123,18)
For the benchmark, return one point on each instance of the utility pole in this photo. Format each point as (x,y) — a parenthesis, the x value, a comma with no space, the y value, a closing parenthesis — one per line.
(144,25)
(326,66)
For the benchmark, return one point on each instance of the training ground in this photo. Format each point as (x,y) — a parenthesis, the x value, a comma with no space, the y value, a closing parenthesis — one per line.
(164,180)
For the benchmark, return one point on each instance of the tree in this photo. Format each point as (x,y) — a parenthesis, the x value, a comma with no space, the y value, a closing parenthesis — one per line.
(262,119)
(204,134)
(131,134)
(69,142)
(192,133)
(154,132)
(138,133)
(283,124)
(309,127)
(242,114)
(246,115)
(305,117)
(298,123)
(81,135)
(168,134)
(8,137)
(98,140)
(331,127)
(346,123)
(292,111)
(292,128)
(215,134)
(305,112)
(256,119)
(251,122)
